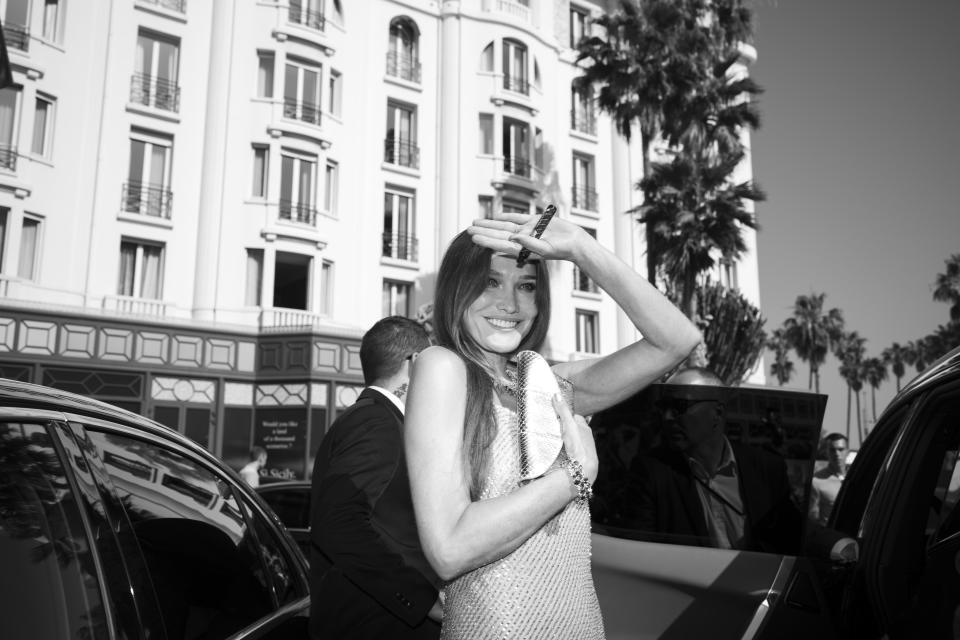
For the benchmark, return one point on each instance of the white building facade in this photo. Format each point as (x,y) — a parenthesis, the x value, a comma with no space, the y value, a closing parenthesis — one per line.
(204,203)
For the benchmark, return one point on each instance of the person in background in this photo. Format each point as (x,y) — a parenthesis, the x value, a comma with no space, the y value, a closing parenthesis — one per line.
(369,578)
(827,481)
(251,471)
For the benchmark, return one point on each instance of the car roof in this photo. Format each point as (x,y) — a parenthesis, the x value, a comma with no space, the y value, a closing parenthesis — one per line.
(14,393)
(946,367)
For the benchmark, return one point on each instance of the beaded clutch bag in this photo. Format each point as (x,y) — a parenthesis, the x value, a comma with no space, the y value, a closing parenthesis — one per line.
(539,425)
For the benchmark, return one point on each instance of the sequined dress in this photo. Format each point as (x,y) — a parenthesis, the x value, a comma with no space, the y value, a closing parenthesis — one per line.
(544,588)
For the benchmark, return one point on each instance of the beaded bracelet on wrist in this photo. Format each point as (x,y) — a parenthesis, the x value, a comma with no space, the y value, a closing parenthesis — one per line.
(580,482)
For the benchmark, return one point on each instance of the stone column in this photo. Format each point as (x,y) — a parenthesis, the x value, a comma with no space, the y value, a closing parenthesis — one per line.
(448,136)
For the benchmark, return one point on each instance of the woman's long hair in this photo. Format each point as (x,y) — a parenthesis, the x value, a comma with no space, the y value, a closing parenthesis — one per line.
(463,276)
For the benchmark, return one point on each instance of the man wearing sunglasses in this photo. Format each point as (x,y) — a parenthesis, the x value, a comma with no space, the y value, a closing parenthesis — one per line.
(700,488)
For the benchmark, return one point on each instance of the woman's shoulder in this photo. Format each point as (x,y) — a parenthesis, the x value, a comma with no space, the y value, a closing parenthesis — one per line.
(439,360)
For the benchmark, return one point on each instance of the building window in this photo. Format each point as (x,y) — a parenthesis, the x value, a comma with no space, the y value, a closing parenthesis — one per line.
(400,145)
(581,281)
(510,206)
(9,110)
(147,191)
(43,118)
(16,18)
(291,281)
(538,157)
(515,76)
(326,288)
(331,178)
(336,92)
(141,270)
(308,13)
(486,134)
(579,23)
(254,291)
(583,117)
(399,231)
(584,184)
(265,64)
(261,170)
(403,58)
(486,207)
(29,248)
(301,91)
(396,298)
(4,216)
(154,81)
(51,21)
(588,339)
(486,58)
(516,147)
(297,192)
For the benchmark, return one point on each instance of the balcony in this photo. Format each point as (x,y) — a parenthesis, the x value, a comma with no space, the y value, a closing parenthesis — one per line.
(16,36)
(403,66)
(303,111)
(154,92)
(401,152)
(128,305)
(8,157)
(584,198)
(400,247)
(180,6)
(302,212)
(298,14)
(147,200)
(516,84)
(517,10)
(517,166)
(584,121)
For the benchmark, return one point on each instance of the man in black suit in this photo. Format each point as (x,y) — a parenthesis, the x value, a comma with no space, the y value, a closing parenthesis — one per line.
(699,488)
(369,577)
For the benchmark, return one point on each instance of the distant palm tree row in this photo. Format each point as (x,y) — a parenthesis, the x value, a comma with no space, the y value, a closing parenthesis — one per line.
(813,332)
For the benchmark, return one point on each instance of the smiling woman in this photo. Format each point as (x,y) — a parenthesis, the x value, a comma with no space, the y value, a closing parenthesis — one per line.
(516,553)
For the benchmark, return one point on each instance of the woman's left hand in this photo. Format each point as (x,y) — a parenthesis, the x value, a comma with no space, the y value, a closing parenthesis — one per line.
(509,232)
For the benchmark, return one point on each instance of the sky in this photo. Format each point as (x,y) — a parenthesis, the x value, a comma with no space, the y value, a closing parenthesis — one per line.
(858,155)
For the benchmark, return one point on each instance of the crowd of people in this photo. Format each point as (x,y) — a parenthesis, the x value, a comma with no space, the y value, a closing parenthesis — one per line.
(423,524)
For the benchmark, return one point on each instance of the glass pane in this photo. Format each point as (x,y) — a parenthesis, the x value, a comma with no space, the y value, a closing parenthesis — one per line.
(265,76)
(286,179)
(40,127)
(311,88)
(290,82)
(128,256)
(144,61)
(158,165)
(486,133)
(137,153)
(17,11)
(28,248)
(305,189)
(254,277)
(167,61)
(204,562)
(3,233)
(51,589)
(260,172)
(150,279)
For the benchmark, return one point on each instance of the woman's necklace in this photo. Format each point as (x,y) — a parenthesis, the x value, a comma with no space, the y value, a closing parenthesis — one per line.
(509,384)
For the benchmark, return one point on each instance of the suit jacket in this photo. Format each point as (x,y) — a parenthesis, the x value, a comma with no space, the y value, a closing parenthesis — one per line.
(665,502)
(369,577)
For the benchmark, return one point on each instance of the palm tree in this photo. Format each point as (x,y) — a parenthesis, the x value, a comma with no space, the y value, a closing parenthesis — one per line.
(782,366)
(849,349)
(874,372)
(811,332)
(694,215)
(663,65)
(896,357)
(947,286)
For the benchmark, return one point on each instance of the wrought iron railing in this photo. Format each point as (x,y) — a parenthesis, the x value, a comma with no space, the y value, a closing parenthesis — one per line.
(516,84)
(305,111)
(302,212)
(401,247)
(147,199)
(180,6)
(154,92)
(402,152)
(403,66)
(298,14)
(16,36)
(584,121)
(517,165)
(8,157)
(585,198)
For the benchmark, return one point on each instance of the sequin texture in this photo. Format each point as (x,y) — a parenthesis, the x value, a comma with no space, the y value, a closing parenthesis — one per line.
(544,588)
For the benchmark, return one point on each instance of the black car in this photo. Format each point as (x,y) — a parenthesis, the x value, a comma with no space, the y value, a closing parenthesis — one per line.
(113,526)
(291,502)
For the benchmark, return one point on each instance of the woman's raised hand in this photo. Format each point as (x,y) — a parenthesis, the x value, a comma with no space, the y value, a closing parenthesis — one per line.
(509,232)
(577,438)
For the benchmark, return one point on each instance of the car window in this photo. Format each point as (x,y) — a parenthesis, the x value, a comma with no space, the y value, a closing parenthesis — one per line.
(942,419)
(280,570)
(292,505)
(203,559)
(43,544)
